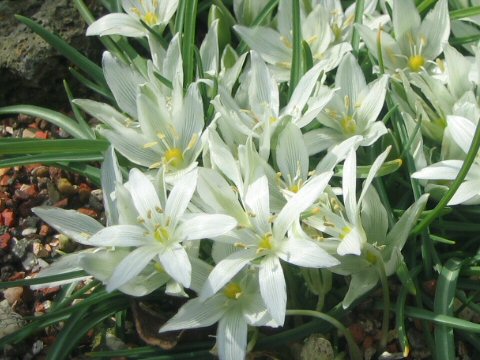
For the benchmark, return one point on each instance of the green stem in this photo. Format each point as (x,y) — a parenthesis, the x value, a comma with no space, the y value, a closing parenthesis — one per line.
(189,41)
(359,7)
(355,352)
(297,47)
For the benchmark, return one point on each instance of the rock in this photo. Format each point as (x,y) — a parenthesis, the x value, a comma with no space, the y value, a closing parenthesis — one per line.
(317,347)
(10,321)
(65,187)
(13,294)
(20,247)
(31,71)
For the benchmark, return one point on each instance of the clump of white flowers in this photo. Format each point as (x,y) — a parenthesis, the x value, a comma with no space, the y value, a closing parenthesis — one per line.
(234,184)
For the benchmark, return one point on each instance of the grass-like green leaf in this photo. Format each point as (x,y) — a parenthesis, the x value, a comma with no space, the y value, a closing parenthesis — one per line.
(359,7)
(296,70)
(43,280)
(60,146)
(387,168)
(56,118)
(50,159)
(189,41)
(463,13)
(443,305)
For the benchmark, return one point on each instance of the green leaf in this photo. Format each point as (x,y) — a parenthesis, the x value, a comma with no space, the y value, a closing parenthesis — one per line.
(387,168)
(189,41)
(463,13)
(50,159)
(20,146)
(443,305)
(296,70)
(56,118)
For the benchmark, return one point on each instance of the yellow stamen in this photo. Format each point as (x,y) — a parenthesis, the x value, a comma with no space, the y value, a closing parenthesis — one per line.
(232,291)
(150,144)
(265,242)
(416,62)
(345,231)
(349,125)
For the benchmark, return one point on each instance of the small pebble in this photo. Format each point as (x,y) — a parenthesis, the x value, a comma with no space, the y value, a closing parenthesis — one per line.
(29,231)
(65,187)
(13,294)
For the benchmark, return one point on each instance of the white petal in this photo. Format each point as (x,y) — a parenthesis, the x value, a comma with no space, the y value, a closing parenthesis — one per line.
(443,170)
(190,121)
(123,80)
(195,314)
(225,270)
(223,159)
(372,103)
(131,266)
(232,336)
(77,226)
(349,186)
(144,197)
(360,283)
(119,235)
(205,226)
(176,263)
(103,112)
(458,68)
(466,191)
(436,29)
(266,42)
(299,202)
(116,24)
(374,217)
(462,131)
(373,171)
(273,288)
(180,196)
(111,175)
(318,140)
(403,22)
(263,90)
(306,253)
(351,243)
(292,155)
(350,79)
(338,153)
(257,200)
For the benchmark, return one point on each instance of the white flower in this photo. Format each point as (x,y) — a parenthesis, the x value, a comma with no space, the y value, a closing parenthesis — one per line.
(255,112)
(417,43)
(353,110)
(461,130)
(238,305)
(275,46)
(265,242)
(153,13)
(160,229)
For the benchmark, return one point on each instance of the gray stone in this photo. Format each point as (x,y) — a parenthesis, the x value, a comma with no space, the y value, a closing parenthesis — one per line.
(31,71)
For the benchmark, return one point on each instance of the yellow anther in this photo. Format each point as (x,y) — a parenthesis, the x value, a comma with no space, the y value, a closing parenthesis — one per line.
(161,234)
(265,242)
(286,42)
(150,144)
(233,291)
(157,266)
(349,125)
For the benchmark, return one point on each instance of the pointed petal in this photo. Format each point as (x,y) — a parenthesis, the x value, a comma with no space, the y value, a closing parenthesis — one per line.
(273,288)
(462,131)
(232,336)
(225,270)
(123,80)
(443,170)
(195,314)
(190,121)
(351,243)
(111,175)
(205,226)
(257,200)
(306,253)
(436,29)
(144,197)
(75,225)
(267,42)
(374,217)
(116,24)
(401,22)
(119,235)
(318,140)
(458,68)
(372,103)
(263,90)
(349,186)
(131,266)
(360,283)
(350,79)
(338,153)
(466,191)
(175,261)
(373,171)
(292,155)
(180,196)
(298,203)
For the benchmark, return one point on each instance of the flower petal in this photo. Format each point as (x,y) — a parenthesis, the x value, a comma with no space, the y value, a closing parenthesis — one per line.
(443,170)
(196,313)
(232,336)
(292,154)
(306,253)
(466,191)
(225,270)
(119,235)
(75,225)
(350,80)
(257,200)
(176,263)
(116,24)
(111,175)
(204,226)
(131,266)
(462,131)
(180,196)
(273,288)
(144,197)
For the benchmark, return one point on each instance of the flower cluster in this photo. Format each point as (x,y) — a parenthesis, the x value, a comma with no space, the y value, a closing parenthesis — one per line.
(263,171)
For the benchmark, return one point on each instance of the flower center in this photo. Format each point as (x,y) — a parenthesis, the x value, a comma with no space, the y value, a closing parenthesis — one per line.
(161,234)
(265,242)
(232,291)
(416,62)
(349,125)
(174,157)
(150,18)
(345,231)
